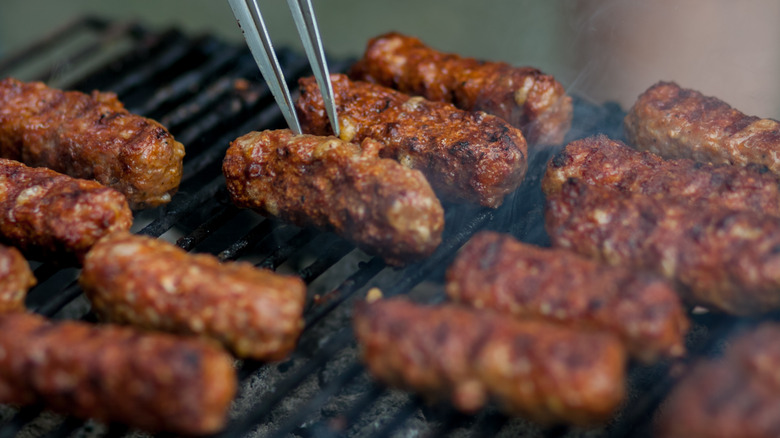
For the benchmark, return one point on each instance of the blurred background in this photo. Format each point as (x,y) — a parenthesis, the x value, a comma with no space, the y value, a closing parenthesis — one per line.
(599,49)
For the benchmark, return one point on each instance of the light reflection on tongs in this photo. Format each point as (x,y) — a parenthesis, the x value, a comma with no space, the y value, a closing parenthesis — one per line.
(250,19)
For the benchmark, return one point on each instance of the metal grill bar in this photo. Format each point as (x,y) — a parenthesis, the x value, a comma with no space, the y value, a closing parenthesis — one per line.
(22,418)
(304,411)
(109,35)
(54,39)
(264,407)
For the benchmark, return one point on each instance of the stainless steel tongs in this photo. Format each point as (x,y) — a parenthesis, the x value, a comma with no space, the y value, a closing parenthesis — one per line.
(250,20)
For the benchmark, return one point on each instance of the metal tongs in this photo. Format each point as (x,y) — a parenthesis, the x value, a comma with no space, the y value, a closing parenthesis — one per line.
(250,20)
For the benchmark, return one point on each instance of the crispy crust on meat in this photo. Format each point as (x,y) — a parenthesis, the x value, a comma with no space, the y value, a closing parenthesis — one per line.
(91,137)
(466,156)
(720,258)
(53,217)
(151,381)
(537,369)
(603,162)
(525,97)
(15,279)
(736,395)
(676,122)
(496,271)
(380,205)
(153,284)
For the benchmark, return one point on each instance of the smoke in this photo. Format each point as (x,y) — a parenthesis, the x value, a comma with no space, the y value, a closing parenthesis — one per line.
(721,48)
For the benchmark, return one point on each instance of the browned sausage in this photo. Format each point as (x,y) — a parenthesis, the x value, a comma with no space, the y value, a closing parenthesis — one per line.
(608,163)
(15,279)
(675,122)
(533,368)
(525,97)
(109,373)
(467,157)
(89,136)
(737,395)
(719,258)
(53,217)
(495,271)
(154,284)
(376,203)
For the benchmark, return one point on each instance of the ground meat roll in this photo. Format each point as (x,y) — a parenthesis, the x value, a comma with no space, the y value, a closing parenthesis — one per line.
(676,122)
(495,271)
(525,97)
(153,284)
(15,279)
(380,205)
(537,369)
(53,217)
(719,258)
(611,164)
(466,156)
(737,395)
(156,382)
(91,137)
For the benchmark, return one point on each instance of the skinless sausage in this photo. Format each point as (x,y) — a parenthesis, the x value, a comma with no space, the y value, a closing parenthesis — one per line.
(719,258)
(607,163)
(151,381)
(676,122)
(523,96)
(495,271)
(534,368)
(376,203)
(15,279)
(90,136)
(54,217)
(150,283)
(466,156)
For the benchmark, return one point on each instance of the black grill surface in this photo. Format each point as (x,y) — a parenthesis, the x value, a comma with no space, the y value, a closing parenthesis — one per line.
(208,93)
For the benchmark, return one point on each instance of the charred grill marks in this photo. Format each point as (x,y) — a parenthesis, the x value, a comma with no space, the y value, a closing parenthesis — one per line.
(428,136)
(89,136)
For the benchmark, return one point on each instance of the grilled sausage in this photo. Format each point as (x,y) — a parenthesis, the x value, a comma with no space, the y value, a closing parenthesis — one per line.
(91,137)
(376,203)
(525,97)
(719,258)
(676,122)
(548,373)
(608,163)
(53,217)
(495,271)
(15,279)
(153,284)
(150,381)
(467,157)
(737,395)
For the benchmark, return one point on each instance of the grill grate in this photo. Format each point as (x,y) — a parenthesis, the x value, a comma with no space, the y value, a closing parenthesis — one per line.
(208,93)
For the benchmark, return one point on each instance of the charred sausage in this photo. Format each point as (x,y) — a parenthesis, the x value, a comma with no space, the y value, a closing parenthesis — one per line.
(611,164)
(525,97)
(150,381)
(467,157)
(376,203)
(495,271)
(154,284)
(15,279)
(90,136)
(719,258)
(533,368)
(54,217)
(736,395)
(676,122)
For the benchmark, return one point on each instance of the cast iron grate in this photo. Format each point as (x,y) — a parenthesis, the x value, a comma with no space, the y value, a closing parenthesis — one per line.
(208,93)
